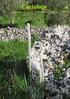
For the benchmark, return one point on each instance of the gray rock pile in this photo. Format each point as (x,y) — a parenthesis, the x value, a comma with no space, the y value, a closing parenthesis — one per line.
(55,47)
(12,34)
(17,33)
(58,89)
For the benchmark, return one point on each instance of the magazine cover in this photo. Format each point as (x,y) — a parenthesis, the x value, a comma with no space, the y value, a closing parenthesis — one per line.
(34,49)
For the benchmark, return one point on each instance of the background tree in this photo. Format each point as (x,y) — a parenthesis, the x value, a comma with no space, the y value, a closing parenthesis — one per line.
(8,8)
(34,2)
(57,12)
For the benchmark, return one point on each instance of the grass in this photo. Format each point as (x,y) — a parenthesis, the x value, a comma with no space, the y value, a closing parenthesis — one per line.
(20,82)
(17,49)
(12,85)
(21,18)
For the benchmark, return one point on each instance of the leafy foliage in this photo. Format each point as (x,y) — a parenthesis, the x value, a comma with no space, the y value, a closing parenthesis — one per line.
(8,8)
(57,4)
(67,61)
(12,86)
(58,14)
(36,37)
(58,72)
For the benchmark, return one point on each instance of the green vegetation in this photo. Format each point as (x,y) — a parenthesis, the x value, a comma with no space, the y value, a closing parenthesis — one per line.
(36,37)
(8,8)
(67,62)
(19,13)
(13,68)
(58,14)
(58,72)
(36,12)
(21,18)
(12,86)
(17,49)
(37,92)
(13,83)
